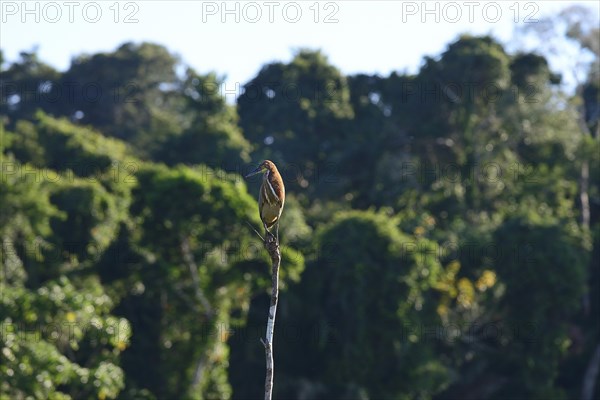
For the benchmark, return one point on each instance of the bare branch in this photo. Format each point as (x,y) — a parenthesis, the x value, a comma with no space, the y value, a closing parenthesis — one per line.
(272,246)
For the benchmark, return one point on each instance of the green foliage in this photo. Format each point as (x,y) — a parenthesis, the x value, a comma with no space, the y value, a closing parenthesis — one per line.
(552,256)
(529,69)
(26,86)
(91,218)
(58,337)
(133,102)
(25,203)
(199,265)
(186,198)
(58,343)
(296,113)
(435,238)
(348,326)
(213,137)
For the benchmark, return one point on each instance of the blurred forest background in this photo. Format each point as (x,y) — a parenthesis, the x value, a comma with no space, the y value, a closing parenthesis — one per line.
(441,236)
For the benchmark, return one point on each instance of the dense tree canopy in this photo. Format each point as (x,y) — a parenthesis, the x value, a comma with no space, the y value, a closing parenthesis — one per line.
(440,238)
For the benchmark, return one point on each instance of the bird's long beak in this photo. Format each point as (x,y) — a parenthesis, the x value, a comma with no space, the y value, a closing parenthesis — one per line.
(258,170)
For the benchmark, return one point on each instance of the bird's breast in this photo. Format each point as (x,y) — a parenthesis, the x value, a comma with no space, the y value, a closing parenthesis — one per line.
(269,213)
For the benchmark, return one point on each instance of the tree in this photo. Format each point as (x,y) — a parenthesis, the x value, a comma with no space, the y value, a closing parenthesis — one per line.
(543,267)
(347,328)
(56,342)
(129,94)
(198,266)
(213,137)
(296,113)
(27,85)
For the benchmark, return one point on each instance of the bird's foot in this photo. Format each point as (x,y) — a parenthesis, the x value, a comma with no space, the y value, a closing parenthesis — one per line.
(271,243)
(269,237)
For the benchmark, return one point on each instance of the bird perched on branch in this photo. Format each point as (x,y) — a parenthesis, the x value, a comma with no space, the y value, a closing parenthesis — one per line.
(271,196)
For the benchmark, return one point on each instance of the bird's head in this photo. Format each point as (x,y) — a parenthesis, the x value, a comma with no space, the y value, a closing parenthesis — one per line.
(262,168)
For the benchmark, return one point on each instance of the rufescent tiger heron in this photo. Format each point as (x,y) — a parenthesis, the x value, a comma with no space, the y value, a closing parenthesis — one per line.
(271,196)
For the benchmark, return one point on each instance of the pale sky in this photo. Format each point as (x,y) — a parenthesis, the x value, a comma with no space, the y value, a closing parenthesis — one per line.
(359,35)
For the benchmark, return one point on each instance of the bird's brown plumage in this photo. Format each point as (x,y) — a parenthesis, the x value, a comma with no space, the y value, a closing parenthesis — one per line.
(271,197)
